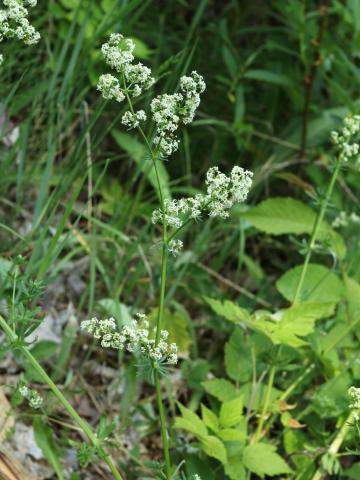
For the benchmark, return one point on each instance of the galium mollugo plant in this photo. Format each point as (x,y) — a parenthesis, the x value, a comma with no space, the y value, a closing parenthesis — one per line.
(168,112)
(14,22)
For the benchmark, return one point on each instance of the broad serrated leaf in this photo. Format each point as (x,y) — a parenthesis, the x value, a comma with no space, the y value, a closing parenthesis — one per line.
(190,422)
(238,358)
(220,388)
(209,418)
(283,215)
(231,412)
(262,459)
(231,435)
(288,325)
(235,468)
(320,284)
(228,310)
(213,447)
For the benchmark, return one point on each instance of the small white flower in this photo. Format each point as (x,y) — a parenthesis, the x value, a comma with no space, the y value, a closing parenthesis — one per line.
(222,192)
(34,399)
(343,138)
(132,337)
(118,51)
(131,120)
(175,246)
(14,22)
(171,110)
(109,87)
(24,391)
(354,394)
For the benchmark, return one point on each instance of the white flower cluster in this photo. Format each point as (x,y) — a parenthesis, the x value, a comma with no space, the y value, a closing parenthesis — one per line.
(175,246)
(171,110)
(14,22)
(222,192)
(34,399)
(354,394)
(137,336)
(343,139)
(132,120)
(134,78)
(344,219)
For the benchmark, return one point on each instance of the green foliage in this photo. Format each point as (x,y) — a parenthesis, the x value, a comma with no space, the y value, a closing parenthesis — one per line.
(320,284)
(45,439)
(283,327)
(271,463)
(77,193)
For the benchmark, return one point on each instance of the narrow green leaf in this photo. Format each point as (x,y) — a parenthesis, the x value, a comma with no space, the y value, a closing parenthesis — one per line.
(44,439)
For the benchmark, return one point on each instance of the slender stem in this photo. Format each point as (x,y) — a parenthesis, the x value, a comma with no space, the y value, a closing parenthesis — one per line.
(85,427)
(270,384)
(316,229)
(163,426)
(160,316)
(336,443)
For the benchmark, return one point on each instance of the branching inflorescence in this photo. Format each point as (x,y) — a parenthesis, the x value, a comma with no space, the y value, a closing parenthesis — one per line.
(168,113)
(222,192)
(343,139)
(14,22)
(137,337)
(32,396)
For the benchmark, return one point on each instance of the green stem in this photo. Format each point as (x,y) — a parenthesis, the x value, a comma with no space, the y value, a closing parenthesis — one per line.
(85,427)
(160,316)
(315,231)
(270,384)
(162,290)
(163,425)
(313,238)
(336,443)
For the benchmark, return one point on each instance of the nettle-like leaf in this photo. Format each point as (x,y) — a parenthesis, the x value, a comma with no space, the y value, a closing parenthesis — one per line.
(297,321)
(209,418)
(232,435)
(282,215)
(238,358)
(320,284)
(231,412)
(213,447)
(286,326)
(190,422)
(235,468)
(229,310)
(220,388)
(262,459)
